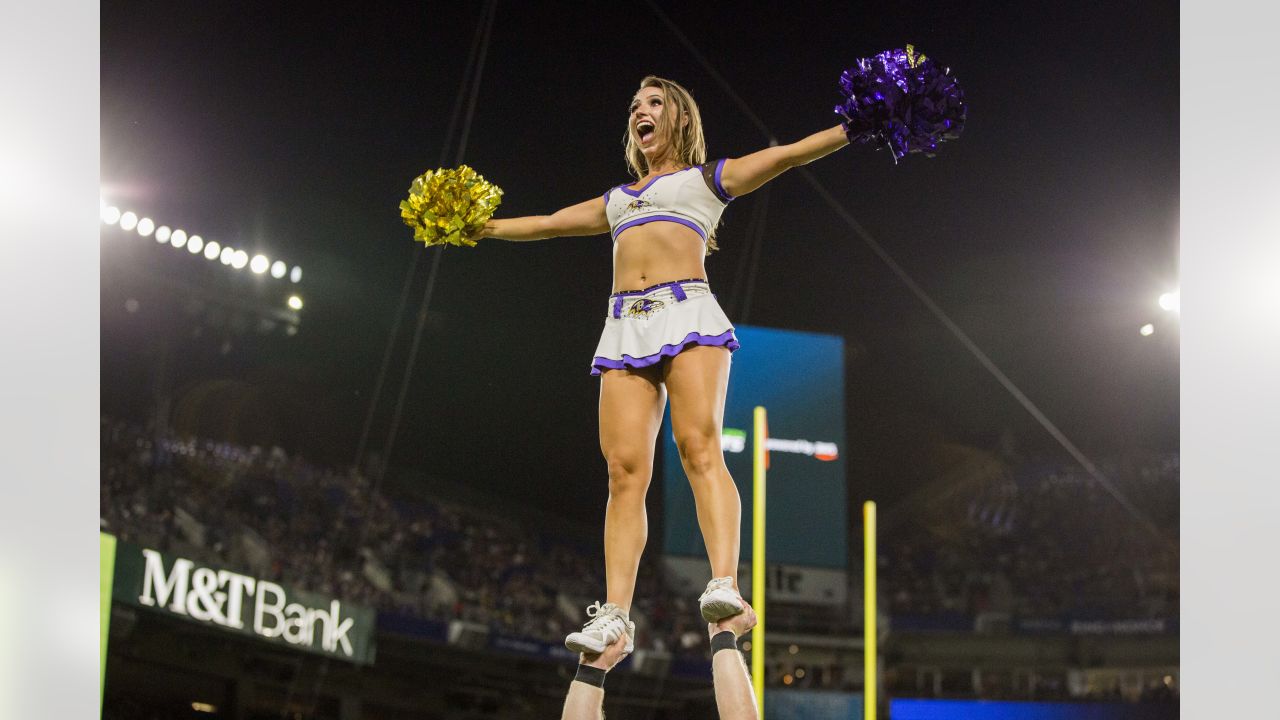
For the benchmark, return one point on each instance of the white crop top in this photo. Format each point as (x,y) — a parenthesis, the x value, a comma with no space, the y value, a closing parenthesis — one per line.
(692,197)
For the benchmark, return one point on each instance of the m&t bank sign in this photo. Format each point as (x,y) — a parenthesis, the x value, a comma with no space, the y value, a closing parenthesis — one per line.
(241,603)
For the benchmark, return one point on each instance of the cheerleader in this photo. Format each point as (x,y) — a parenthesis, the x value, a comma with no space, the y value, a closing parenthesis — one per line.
(665,336)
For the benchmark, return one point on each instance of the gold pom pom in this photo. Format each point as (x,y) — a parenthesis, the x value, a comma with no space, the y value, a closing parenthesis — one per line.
(449,206)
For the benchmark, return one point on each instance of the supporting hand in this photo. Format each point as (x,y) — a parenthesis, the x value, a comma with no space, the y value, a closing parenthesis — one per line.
(611,656)
(740,624)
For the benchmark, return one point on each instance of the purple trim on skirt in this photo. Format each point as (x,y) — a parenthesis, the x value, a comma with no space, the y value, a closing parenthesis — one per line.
(725,339)
(655,218)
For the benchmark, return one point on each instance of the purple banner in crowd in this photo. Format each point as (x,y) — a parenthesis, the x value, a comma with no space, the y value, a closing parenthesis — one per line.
(1002,710)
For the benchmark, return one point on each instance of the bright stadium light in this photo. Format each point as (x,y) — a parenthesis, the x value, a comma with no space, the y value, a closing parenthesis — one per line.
(146,227)
(1147,330)
(295,302)
(1170,301)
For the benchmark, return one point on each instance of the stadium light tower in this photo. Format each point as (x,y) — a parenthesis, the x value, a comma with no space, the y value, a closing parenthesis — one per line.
(184,309)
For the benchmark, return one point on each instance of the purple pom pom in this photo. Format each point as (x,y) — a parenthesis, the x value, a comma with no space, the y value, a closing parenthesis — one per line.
(902,99)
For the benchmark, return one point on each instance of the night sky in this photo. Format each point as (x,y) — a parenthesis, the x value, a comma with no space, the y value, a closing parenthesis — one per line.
(1046,231)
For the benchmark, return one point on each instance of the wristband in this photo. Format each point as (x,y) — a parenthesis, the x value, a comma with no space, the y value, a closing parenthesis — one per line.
(590,675)
(723,640)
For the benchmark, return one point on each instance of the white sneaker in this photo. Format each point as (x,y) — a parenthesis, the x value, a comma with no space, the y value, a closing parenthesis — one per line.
(720,600)
(607,622)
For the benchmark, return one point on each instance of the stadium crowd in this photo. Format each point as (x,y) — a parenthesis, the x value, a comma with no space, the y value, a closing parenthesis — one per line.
(1013,547)
(1045,542)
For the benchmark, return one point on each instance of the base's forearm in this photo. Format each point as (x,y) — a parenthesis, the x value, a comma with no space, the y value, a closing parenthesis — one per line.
(818,145)
(532,227)
(584,702)
(735,698)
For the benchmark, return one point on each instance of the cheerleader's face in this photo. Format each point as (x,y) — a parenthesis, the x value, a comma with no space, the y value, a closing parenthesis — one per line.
(646,119)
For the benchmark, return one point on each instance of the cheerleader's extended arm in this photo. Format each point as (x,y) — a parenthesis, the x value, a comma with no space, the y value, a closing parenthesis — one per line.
(747,173)
(585,218)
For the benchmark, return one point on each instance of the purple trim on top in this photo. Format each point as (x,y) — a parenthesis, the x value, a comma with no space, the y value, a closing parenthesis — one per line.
(615,187)
(725,339)
(651,218)
(724,194)
(637,193)
(678,291)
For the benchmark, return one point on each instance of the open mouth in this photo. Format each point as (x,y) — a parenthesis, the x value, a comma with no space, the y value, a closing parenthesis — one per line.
(645,130)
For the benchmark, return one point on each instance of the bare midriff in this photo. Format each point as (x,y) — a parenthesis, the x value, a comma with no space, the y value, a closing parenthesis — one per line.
(655,253)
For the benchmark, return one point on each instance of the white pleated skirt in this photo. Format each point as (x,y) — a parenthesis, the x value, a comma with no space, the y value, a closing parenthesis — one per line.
(645,326)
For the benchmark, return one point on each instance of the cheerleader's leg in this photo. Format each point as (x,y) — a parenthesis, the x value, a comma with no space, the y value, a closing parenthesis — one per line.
(631,406)
(697,380)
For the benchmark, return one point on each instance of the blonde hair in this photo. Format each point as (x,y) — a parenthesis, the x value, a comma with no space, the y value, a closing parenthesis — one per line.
(686,139)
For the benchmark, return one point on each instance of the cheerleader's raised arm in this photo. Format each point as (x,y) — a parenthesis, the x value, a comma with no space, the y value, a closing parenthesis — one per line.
(749,172)
(585,218)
